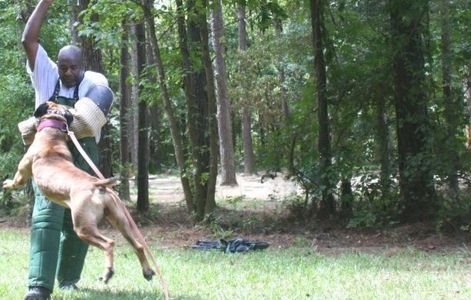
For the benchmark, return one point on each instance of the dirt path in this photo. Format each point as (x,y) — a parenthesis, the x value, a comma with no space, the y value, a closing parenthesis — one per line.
(168,189)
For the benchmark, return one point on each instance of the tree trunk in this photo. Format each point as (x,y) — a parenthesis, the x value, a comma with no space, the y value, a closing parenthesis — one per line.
(197,103)
(134,112)
(285,110)
(226,148)
(155,123)
(384,145)
(143,125)
(415,177)
(450,100)
(327,205)
(174,125)
(212,111)
(249,156)
(124,117)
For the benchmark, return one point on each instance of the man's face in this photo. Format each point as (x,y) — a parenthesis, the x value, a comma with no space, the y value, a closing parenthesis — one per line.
(70,70)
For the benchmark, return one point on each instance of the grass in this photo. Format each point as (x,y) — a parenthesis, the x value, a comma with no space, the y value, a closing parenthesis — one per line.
(297,272)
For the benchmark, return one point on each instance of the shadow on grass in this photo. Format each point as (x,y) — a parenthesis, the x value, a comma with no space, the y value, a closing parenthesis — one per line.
(89,294)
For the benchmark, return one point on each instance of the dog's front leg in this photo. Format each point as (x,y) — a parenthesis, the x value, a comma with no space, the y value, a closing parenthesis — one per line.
(22,174)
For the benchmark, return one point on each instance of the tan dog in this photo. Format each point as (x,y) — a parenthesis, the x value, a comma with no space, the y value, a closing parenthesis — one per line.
(49,161)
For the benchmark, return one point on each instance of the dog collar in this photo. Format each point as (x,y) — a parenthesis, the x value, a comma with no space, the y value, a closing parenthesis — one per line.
(59,124)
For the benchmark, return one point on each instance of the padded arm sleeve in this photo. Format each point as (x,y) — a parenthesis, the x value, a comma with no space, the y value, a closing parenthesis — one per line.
(90,112)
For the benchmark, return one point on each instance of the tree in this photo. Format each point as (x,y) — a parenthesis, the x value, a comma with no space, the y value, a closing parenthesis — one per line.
(143,125)
(450,100)
(410,99)
(197,86)
(175,126)
(226,147)
(249,156)
(327,205)
(124,115)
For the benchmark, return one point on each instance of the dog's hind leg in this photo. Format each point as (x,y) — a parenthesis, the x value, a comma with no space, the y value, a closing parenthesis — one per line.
(119,221)
(86,214)
(92,236)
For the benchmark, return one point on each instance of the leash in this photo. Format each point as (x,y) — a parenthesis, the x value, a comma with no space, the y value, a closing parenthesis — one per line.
(84,154)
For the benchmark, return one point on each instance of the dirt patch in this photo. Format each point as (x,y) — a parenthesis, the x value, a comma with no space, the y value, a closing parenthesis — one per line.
(168,188)
(257,210)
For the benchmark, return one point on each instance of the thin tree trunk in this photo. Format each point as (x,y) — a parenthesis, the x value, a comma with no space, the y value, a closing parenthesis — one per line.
(450,101)
(226,147)
(124,117)
(155,122)
(327,205)
(143,125)
(212,110)
(174,125)
(249,156)
(384,145)
(188,81)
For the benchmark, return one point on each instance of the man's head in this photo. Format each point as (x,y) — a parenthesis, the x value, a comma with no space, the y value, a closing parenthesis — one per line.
(70,64)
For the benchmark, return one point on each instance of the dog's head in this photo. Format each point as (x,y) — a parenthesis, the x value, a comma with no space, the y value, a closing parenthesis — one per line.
(52,110)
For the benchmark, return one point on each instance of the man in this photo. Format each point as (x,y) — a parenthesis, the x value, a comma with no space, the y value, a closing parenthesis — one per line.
(55,248)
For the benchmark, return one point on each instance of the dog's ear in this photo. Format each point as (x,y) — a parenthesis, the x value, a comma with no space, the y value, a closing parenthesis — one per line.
(41,110)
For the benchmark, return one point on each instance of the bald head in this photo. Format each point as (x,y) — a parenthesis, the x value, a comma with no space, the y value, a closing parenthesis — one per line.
(70,64)
(70,52)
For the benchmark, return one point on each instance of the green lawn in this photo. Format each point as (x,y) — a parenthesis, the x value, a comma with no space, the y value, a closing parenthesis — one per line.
(291,273)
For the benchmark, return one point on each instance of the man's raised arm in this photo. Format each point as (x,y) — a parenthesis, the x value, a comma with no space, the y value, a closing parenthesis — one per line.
(30,37)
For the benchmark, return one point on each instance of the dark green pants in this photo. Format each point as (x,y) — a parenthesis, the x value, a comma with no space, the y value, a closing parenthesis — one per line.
(55,248)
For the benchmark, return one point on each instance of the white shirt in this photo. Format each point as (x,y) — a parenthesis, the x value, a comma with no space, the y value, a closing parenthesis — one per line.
(45,75)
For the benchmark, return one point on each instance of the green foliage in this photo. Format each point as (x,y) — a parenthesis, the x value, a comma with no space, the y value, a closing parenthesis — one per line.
(278,67)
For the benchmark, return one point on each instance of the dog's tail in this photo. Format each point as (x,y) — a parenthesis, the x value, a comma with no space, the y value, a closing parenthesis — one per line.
(108,182)
(144,243)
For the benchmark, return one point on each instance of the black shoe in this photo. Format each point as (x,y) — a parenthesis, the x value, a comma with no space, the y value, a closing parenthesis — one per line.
(38,293)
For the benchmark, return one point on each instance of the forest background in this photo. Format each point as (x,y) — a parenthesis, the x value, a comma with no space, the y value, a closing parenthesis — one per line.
(363,103)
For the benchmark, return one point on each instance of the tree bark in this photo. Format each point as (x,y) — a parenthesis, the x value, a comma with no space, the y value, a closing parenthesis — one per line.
(326,205)
(124,117)
(384,145)
(155,123)
(415,177)
(197,103)
(143,125)
(249,156)
(212,110)
(226,147)
(450,100)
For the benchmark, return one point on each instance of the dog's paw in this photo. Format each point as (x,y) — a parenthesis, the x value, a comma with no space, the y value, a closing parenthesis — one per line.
(148,274)
(109,272)
(8,184)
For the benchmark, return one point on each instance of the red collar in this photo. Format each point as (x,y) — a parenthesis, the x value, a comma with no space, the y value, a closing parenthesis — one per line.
(59,124)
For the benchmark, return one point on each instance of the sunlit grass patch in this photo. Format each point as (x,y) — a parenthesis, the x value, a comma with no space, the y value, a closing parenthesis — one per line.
(297,272)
